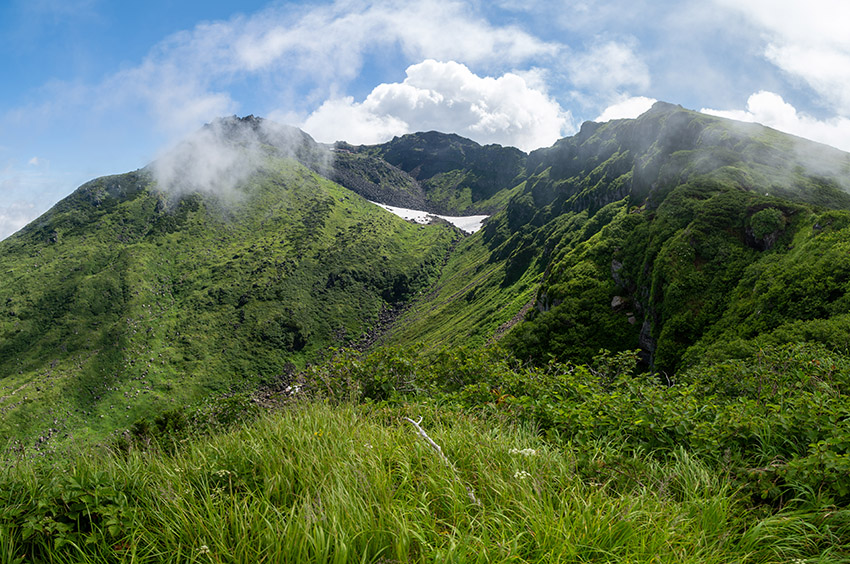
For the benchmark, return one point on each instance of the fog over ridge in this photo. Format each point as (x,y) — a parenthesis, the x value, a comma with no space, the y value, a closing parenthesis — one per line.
(218,158)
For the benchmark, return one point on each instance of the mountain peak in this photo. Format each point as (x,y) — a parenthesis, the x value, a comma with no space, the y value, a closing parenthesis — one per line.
(253,129)
(664,107)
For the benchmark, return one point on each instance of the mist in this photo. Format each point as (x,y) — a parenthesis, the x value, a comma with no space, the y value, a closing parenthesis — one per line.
(221,156)
(810,158)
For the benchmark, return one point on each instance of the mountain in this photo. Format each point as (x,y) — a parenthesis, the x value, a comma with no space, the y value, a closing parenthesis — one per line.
(436,172)
(683,235)
(249,250)
(147,290)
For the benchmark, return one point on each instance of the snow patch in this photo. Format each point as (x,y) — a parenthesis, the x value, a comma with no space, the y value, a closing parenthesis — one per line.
(467,223)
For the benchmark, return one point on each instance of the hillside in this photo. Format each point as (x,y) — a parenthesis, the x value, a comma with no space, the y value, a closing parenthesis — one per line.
(675,233)
(130,297)
(243,254)
(215,357)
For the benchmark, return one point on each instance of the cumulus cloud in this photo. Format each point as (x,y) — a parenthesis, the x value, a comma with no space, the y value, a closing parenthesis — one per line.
(446,96)
(770,109)
(808,40)
(628,108)
(343,119)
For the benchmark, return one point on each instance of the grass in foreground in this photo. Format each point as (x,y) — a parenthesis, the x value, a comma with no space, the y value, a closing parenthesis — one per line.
(315,483)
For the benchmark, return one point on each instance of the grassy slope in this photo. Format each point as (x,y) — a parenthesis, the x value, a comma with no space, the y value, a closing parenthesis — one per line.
(470,301)
(320,484)
(120,303)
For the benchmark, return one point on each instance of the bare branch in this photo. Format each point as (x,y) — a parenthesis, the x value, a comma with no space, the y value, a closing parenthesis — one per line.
(443,457)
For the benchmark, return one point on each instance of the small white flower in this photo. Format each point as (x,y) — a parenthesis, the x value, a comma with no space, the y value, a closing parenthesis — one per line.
(524,452)
(367,445)
(204,549)
(521,475)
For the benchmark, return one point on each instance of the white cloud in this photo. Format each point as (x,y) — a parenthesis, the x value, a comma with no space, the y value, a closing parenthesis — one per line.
(336,35)
(188,78)
(34,161)
(15,210)
(291,57)
(609,67)
(446,96)
(808,40)
(628,108)
(15,216)
(343,119)
(298,56)
(175,83)
(770,109)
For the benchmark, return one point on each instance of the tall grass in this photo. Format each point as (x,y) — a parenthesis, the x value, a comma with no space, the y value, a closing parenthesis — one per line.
(315,483)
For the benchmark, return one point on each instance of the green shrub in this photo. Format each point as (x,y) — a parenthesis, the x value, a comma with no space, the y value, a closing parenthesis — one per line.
(766,222)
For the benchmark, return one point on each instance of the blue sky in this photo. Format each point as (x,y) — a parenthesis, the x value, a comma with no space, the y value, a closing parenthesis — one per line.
(95,87)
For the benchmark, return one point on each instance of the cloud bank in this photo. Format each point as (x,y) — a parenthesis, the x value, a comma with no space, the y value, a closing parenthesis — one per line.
(218,158)
(446,96)
(770,109)
(807,40)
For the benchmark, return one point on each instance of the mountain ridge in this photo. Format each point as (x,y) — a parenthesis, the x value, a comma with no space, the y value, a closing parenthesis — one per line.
(249,252)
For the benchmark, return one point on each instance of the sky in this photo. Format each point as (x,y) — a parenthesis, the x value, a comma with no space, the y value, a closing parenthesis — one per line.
(96,87)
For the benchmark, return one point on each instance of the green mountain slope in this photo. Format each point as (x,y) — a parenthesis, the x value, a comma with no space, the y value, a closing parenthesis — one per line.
(147,311)
(125,300)
(238,258)
(676,233)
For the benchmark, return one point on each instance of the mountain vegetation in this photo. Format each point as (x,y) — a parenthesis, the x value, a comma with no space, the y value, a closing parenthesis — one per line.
(642,356)
(125,300)
(681,235)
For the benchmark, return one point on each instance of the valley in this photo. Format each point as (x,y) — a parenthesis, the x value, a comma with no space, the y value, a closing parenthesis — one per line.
(659,304)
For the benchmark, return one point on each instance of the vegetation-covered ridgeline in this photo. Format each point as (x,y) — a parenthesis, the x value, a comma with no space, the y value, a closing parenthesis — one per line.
(238,258)
(130,297)
(677,233)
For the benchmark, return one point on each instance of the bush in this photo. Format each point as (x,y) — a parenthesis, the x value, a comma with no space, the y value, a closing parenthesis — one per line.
(766,222)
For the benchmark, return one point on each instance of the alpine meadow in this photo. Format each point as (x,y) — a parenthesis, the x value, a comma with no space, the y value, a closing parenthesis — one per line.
(234,355)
